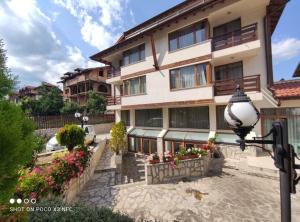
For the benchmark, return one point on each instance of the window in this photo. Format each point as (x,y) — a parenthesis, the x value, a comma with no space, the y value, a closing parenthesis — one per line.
(190,117)
(229,71)
(187,36)
(101,73)
(135,86)
(125,117)
(227,27)
(221,122)
(134,55)
(102,88)
(148,117)
(188,77)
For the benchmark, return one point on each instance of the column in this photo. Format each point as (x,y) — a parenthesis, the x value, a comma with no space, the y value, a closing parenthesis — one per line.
(132,118)
(212,119)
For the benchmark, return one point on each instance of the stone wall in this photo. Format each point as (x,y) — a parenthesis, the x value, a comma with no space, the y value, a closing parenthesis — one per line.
(165,172)
(235,152)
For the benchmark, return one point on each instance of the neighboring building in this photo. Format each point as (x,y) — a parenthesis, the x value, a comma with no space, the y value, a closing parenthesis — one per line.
(30,92)
(297,71)
(174,74)
(77,84)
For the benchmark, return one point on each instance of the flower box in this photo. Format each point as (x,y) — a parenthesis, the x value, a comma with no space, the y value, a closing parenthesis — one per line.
(154,161)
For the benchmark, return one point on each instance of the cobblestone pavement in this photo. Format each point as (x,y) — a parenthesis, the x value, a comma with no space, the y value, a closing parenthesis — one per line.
(232,197)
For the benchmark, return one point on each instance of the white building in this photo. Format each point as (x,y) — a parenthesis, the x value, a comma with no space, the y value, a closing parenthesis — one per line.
(174,73)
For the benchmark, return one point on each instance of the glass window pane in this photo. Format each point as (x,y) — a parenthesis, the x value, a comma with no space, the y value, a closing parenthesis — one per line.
(201,74)
(146,146)
(186,39)
(125,117)
(174,79)
(134,55)
(200,32)
(143,84)
(221,122)
(153,144)
(191,117)
(126,59)
(173,44)
(187,76)
(142,52)
(148,117)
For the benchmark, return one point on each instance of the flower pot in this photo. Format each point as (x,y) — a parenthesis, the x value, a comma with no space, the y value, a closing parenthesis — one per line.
(154,161)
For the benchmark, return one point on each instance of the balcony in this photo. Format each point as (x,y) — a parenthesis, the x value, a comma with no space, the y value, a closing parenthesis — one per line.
(228,87)
(113,100)
(245,34)
(114,73)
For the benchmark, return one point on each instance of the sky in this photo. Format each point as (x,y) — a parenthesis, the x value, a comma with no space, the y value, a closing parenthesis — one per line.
(46,38)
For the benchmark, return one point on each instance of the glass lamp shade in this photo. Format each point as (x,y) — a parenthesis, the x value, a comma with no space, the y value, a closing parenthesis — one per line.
(241,114)
(77,115)
(85,118)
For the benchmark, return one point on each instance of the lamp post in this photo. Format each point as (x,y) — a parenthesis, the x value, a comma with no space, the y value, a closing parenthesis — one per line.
(82,118)
(242,116)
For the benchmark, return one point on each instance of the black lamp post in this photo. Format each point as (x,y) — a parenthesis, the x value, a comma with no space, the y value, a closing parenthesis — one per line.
(242,116)
(82,118)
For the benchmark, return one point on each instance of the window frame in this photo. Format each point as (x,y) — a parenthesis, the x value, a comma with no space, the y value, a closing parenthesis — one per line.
(196,79)
(144,125)
(226,66)
(178,33)
(131,51)
(129,81)
(172,127)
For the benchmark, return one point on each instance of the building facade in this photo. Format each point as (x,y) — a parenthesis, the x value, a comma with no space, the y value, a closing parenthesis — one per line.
(77,84)
(174,74)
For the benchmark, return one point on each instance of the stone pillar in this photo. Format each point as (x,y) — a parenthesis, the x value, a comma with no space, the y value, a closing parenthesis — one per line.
(132,118)
(212,118)
(165,118)
(118,115)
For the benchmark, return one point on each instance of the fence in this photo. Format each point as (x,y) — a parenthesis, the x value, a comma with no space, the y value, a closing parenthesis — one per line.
(46,122)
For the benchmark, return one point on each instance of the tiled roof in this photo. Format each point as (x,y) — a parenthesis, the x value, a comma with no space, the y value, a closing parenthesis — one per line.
(287,89)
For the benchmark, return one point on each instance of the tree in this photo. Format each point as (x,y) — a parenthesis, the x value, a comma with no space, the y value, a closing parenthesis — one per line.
(96,103)
(118,137)
(16,146)
(30,106)
(70,136)
(7,80)
(51,100)
(71,107)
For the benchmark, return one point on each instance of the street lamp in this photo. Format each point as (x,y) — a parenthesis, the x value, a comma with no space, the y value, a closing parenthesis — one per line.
(82,120)
(242,116)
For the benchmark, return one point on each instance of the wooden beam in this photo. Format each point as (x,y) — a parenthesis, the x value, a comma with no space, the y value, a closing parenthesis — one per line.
(154,53)
(208,73)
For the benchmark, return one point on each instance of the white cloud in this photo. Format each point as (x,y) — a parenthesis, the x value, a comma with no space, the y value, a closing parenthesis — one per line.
(102,29)
(34,51)
(285,49)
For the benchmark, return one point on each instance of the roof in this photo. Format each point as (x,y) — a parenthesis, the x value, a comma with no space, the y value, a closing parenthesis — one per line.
(297,71)
(287,89)
(179,11)
(78,71)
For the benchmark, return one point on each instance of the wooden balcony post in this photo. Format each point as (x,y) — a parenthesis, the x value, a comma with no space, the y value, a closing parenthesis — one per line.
(208,73)
(154,52)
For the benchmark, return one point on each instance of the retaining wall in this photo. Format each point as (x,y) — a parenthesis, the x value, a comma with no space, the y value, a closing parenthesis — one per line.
(165,172)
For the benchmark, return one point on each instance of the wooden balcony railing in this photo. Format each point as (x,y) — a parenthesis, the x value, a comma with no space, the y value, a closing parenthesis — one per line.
(245,34)
(113,100)
(114,73)
(228,87)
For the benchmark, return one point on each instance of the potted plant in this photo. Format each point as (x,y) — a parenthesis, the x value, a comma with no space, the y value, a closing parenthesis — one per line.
(154,158)
(70,136)
(118,140)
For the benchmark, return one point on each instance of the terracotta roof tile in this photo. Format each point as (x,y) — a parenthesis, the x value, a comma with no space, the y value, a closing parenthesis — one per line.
(287,89)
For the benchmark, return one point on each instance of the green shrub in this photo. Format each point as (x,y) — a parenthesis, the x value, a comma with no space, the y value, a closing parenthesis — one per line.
(70,136)
(78,212)
(71,107)
(16,146)
(118,137)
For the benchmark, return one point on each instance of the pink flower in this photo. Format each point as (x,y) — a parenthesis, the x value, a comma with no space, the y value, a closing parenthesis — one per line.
(37,170)
(33,195)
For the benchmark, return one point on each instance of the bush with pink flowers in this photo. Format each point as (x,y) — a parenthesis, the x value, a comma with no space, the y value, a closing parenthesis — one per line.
(53,178)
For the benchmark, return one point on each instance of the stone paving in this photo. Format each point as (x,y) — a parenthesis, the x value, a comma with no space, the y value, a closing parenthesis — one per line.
(232,196)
